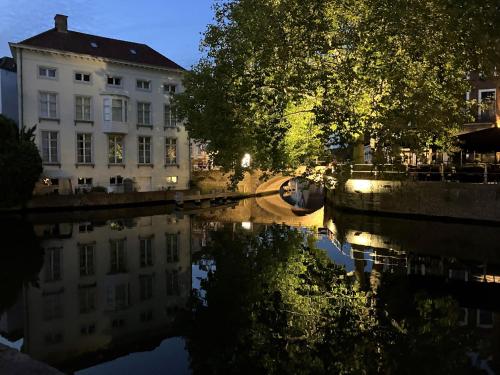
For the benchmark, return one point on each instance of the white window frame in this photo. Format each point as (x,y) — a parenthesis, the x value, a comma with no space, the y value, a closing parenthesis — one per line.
(88,156)
(89,82)
(114,78)
(169,116)
(51,159)
(141,114)
(46,76)
(141,82)
(90,112)
(108,109)
(40,105)
(167,88)
(143,151)
(171,141)
(172,180)
(112,159)
(479,100)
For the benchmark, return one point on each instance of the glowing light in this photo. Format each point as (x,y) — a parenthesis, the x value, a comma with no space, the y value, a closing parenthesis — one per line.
(245,162)
(246,225)
(361,186)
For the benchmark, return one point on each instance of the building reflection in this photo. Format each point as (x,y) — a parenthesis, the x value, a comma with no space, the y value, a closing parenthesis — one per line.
(106,288)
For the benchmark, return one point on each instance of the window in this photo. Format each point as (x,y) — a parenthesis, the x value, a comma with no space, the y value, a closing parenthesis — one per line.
(82,108)
(85,228)
(146,252)
(144,113)
(170,116)
(171,179)
(86,259)
(52,306)
(48,105)
(143,85)
(484,319)
(117,256)
(44,72)
(115,146)
(83,148)
(86,299)
(144,150)
(170,151)
(146,316)
(169,89)
(115,109)
(114,81)
(487,105)
(53,270)
(118,180)
(172,244)
(87,330)
(50,147)
(172,283)
(53,338)
(146,287)
(84,181)
(82,77)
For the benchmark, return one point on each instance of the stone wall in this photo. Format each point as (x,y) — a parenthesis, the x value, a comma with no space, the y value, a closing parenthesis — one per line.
(214,180)
(441,199)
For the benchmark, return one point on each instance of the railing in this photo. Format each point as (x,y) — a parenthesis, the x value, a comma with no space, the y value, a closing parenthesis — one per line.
(468,173)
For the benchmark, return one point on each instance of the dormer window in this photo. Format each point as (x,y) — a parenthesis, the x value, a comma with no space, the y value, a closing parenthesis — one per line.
(82,77)
(93,44)
(133,52)
(143,85)
(44,72)
(169,89)
(114,81)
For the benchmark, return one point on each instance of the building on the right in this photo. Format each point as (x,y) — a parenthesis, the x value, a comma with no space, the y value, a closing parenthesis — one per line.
(8,88)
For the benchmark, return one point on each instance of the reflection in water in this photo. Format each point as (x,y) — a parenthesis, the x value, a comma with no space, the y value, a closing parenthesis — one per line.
(245,296)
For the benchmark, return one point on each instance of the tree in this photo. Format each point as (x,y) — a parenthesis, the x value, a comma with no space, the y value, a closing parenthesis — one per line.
(20,163)
(393,70)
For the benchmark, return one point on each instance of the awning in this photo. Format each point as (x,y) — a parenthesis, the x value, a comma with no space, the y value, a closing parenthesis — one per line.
(485,140)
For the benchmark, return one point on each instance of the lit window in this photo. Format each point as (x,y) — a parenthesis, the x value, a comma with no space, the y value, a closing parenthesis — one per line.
(144,113)
(82,77)
(170,151)
(44,72)
(171,179)
(48,105)
(115,148)
(143,85)
(114,81)
(50,150)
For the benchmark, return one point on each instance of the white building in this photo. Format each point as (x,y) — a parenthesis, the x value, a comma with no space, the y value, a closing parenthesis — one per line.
(102,109)
(8,88)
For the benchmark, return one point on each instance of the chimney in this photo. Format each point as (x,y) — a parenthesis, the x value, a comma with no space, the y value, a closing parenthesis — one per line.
(61,23)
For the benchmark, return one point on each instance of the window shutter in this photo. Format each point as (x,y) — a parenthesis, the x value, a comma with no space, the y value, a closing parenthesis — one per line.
(107,109)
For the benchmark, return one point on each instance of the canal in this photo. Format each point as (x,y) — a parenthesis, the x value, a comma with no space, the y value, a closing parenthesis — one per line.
(224,290)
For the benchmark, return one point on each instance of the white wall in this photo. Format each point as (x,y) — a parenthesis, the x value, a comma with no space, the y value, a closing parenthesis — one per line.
(67,89)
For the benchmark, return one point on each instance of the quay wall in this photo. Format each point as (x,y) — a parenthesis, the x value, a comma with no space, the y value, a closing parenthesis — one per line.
(419,198)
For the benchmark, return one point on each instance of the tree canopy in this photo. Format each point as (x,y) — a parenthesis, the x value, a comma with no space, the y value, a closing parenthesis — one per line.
(391,69)
(20,163)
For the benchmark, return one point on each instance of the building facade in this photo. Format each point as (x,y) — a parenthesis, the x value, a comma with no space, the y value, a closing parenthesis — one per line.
(103,111)
(8,88)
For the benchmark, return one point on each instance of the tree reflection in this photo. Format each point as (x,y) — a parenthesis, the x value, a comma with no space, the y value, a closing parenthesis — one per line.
(21,259)
(274,303)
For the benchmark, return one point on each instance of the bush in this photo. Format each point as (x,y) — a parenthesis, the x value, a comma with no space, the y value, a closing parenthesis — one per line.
(99,189)
(20,163)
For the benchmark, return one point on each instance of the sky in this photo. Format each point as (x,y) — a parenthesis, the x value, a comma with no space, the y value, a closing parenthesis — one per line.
(172,27)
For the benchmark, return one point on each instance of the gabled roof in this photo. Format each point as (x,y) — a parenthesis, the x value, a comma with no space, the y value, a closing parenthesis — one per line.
(98,46)
(8,63)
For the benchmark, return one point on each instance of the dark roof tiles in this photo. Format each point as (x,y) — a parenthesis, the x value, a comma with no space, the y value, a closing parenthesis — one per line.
(80,43)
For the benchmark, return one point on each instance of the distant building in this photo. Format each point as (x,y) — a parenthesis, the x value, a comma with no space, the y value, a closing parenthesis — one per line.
(103,111)
(8,88)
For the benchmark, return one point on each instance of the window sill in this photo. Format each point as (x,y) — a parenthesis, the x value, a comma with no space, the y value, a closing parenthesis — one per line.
(150,165)
(91,122)
(40,119)
(116,165)
(144,126)
(84,165)
(172,128)
(172,165)
(53,164)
